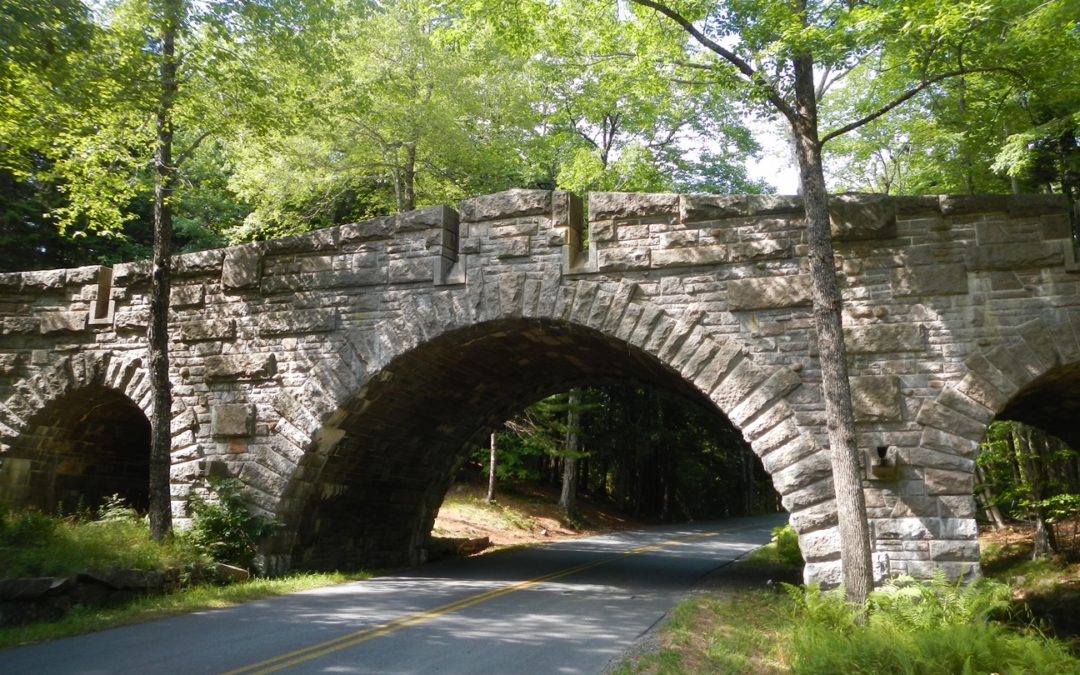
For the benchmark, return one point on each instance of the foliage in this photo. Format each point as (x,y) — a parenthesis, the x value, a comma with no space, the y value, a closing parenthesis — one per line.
(35,544)
(918,627)
(1029,475)
(787,545)
(223,526)
(651,453)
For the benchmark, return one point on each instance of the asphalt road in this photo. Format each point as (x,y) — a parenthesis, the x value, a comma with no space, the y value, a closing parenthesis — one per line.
(569,607)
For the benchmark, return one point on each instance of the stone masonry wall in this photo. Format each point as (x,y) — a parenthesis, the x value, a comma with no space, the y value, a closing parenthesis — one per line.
(295,360)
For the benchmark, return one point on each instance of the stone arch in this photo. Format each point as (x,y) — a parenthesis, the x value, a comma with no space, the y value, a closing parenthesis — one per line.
(88,388)
(717,367)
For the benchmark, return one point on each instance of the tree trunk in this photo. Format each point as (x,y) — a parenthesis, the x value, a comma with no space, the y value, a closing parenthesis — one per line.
(158,332)
(568,498)
(843,450)
(491,470)
(990,507)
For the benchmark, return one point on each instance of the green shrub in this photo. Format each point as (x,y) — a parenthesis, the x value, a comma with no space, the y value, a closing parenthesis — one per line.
(787,545)
(224,528)
(918,628)
(34,544)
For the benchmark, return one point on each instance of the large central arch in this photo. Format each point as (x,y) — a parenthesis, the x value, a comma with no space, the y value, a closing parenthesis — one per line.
(367,490)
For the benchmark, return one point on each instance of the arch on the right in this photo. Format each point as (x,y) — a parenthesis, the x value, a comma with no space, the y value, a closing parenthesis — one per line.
(1033,377)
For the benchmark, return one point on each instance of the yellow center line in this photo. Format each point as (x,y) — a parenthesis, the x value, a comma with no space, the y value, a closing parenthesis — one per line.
(299,656)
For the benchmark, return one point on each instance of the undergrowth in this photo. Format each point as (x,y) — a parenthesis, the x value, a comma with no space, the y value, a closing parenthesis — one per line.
(34,544)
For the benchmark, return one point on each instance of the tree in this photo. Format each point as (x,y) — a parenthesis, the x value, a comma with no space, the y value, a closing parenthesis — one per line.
(571,450)
(397,112)
(788,54)
(133,104)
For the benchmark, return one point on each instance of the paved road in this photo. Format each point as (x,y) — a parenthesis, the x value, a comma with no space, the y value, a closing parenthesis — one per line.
(569,607)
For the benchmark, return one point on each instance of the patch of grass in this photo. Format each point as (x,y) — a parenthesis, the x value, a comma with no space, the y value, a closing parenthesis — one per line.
(721,633)
(911,628)
(195,598)
(478,510)
(33,544)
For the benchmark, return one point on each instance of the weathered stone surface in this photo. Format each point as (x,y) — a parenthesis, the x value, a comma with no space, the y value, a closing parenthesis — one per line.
(305,321)
(1036,204)
(128,274)
(369,230)
(627,205)
(944,482)
(411,269)
(769,292)
(503,205)
(712,255)
(131,318)
(8,363)
(242,267)
(1018,256)
(513,247)
(232,419)
(949,279)
(211,329)
(199,262)
(703,207)
(187,296)
(621,259)
(774,204)
(241,367)
(956,205)
(857,217)
(876,398)
(63,322)
(885,338)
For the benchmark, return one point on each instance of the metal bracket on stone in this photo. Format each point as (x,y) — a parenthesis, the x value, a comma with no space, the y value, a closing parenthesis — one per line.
(882,463)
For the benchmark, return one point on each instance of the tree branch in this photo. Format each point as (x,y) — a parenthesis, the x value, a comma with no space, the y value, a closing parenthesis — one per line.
(754,76)
(907,95)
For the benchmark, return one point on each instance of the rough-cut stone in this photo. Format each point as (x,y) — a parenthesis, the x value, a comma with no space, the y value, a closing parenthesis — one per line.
(297,322)
(774,204)
(712,255)
(884,338)
(232,419)
(242,267)
(503,205)
(63,322)
(187,296)
(514,247)
(621,259)
(876,398)
(856,217)
(768,292)
(704,207)
(955,205)
(944,482)
(1018,256)
(211,329)
(627,205)
(241,367)
(918,280)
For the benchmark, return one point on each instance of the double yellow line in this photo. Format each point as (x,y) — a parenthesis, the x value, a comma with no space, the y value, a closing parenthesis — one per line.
(322,649)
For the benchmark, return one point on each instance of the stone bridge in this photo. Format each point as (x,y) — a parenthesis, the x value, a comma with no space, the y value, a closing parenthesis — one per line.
(343,374)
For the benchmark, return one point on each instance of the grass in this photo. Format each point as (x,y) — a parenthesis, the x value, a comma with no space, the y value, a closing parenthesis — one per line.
(32,544)
(193,599)
(745,623)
